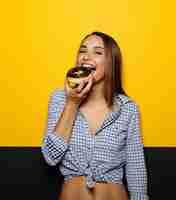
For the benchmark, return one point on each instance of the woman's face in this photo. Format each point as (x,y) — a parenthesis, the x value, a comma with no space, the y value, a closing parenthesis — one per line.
(92,54)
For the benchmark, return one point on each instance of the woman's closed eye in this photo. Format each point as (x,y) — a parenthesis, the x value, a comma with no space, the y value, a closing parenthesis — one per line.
(95,52)
(99,53)
(82,51)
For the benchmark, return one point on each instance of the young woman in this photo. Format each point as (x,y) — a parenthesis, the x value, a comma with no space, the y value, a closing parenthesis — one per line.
(93,131)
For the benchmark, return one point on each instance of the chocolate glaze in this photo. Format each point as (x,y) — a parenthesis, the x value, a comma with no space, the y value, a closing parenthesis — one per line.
(79,72)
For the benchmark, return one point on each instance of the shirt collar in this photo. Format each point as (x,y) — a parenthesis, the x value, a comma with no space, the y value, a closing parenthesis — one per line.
(120,100)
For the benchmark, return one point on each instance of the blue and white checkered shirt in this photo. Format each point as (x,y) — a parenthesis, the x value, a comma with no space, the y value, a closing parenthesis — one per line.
(117,145)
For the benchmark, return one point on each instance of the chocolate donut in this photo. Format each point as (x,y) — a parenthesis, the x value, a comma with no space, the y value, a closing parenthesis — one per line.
(75,74)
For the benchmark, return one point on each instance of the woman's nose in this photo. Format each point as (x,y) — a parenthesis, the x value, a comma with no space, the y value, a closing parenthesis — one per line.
(86,56)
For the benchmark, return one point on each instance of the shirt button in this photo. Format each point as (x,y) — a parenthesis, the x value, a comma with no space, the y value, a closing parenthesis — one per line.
(88,164)
(90,184)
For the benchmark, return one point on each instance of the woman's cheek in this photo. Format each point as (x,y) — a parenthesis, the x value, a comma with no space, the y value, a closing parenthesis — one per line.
(98,75)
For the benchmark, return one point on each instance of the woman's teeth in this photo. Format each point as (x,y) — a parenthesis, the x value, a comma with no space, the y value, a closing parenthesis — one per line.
(87,65)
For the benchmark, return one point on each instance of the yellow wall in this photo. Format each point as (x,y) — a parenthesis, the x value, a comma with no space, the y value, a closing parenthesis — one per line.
(38,43)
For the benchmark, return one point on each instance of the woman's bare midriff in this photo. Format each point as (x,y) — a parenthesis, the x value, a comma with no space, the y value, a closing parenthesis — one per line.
(75,188)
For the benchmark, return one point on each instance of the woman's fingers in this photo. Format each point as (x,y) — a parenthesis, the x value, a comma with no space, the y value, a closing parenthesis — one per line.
(88,86)
(81,85)
(79,93)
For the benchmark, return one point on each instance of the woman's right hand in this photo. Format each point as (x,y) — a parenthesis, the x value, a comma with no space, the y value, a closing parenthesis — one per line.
(77,94)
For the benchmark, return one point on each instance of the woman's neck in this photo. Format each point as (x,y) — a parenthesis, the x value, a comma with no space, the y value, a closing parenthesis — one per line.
(96,95)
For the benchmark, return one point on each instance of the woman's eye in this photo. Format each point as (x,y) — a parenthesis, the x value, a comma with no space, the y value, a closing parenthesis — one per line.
(99,53)
(82,51)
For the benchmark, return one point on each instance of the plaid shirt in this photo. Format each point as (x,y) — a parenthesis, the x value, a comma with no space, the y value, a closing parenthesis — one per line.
(117,145)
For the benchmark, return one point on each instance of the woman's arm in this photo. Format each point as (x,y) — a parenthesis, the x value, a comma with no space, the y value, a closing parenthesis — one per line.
(136,174)
(64,125)
(60,119)
(57,134)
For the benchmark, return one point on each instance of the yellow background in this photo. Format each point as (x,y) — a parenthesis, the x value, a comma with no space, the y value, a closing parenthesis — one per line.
(38,43)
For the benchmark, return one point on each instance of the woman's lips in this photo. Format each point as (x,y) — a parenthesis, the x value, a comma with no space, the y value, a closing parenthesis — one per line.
(87,65)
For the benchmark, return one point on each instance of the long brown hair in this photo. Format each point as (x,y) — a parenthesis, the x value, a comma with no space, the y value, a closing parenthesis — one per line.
(113,69)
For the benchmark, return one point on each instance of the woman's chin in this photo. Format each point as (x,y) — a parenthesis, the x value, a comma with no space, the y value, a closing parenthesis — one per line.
(97,79)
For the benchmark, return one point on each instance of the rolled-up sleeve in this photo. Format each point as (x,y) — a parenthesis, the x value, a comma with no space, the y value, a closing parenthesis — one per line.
(53,146)
(136,173)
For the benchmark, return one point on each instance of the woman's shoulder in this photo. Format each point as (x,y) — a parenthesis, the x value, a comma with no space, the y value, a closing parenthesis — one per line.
(128,103)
